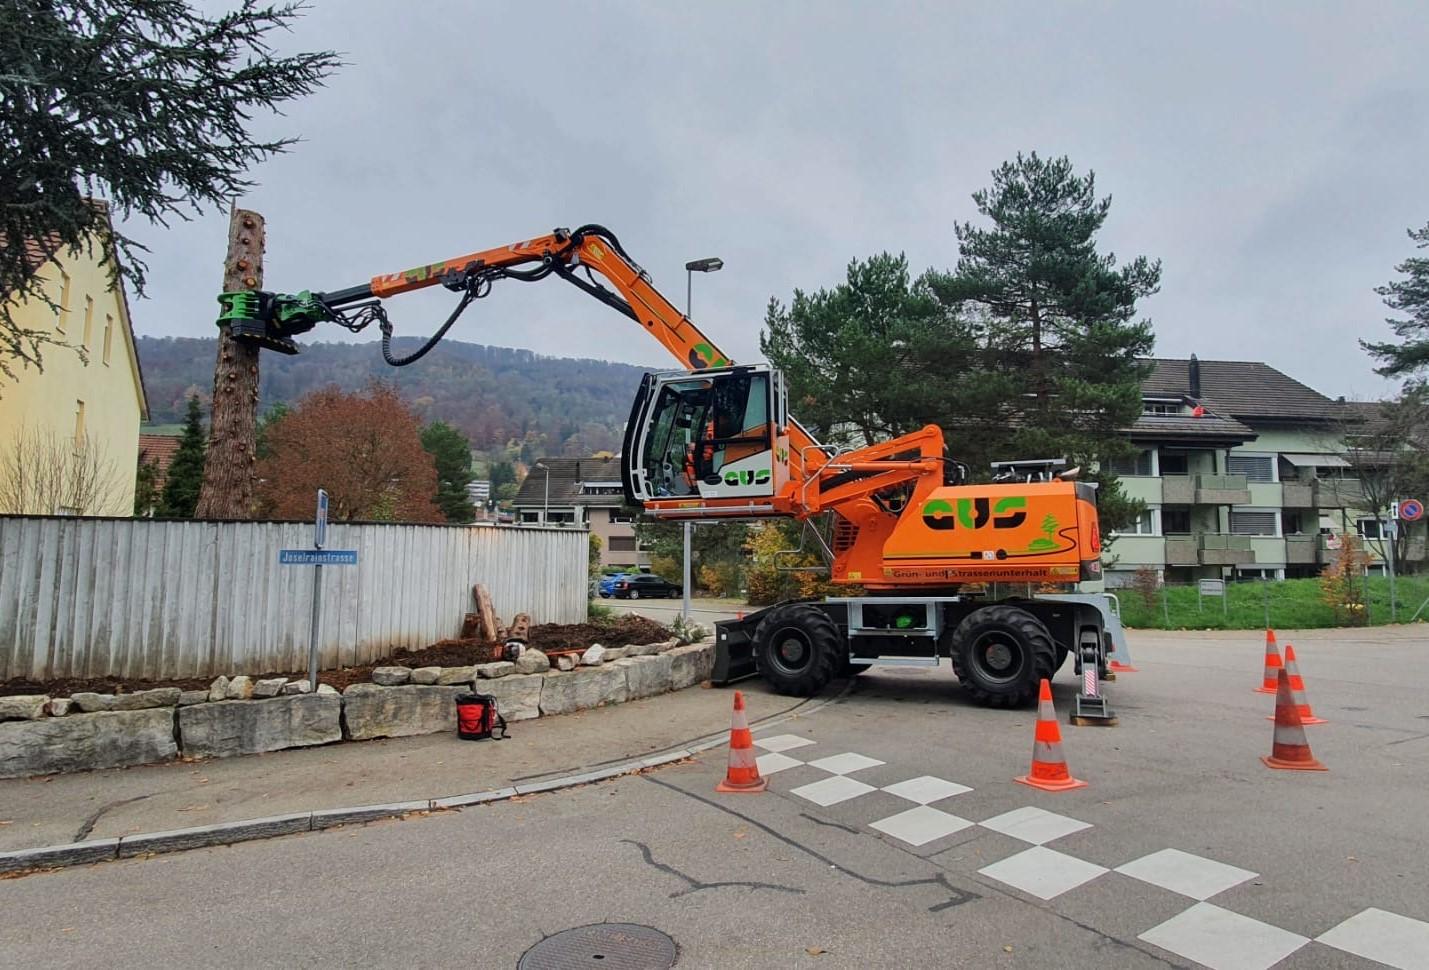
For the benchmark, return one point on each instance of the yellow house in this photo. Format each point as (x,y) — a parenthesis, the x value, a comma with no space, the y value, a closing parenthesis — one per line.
(69,434)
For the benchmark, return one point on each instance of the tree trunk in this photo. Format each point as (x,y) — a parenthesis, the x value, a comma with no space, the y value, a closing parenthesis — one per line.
(228,472)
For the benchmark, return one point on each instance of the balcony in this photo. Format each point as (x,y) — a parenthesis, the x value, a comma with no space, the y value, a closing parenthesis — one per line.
(1221,549)
(1222,490)
(1298,495)
(1182,550)
(1178,489)
(1303,550)
(1340,493)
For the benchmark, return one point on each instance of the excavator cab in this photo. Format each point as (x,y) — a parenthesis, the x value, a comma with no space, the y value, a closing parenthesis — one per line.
(708,435)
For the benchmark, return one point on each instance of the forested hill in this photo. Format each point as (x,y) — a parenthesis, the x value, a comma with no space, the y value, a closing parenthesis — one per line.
(549,405)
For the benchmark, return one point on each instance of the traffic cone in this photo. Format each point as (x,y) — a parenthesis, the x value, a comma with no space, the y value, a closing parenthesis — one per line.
(743,772)
(1289,750)
(1049,768)
(1273,666)
(1297,690)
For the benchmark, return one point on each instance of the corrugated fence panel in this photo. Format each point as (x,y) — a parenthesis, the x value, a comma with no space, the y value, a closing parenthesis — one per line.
(141,599)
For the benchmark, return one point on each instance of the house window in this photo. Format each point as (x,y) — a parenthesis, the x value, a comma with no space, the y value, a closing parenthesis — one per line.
(1176,521)
(618,516)
(1175,463)
(108,334)
(62,322)
(1145,525)
(1292,523)
(1142,463)
(88,320)
(1253,523)
(622,543)
(1256,468)
(561,518)
(1160,407)
(78,426)
(531,517)
(1370,528)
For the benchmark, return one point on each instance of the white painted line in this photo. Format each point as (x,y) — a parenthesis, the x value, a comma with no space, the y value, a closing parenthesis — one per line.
(926,789)
(1184,873)
(833,790)
(1223,940)
(921,825)
(774,762)
(1034,825)
(842,764)
(1394,940)
(1042,872)
(781,742)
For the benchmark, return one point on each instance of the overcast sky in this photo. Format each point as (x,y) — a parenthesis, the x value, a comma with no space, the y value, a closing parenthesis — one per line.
(1272,158)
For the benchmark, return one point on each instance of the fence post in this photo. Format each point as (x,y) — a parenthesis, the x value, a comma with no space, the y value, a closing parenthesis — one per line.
(1165,608)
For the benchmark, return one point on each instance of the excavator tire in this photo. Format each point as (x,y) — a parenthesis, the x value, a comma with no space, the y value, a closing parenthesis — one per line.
(796,647)
(1000,653)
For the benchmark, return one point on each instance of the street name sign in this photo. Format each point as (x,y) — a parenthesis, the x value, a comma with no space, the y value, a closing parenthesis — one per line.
(317,557)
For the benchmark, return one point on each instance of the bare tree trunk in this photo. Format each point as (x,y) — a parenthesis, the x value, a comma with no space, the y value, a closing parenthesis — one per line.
(228,471)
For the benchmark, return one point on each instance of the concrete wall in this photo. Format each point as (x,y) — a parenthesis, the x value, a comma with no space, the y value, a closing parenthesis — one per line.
(140,598)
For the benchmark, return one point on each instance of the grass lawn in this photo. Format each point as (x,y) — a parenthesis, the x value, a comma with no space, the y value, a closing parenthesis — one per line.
(1294,604)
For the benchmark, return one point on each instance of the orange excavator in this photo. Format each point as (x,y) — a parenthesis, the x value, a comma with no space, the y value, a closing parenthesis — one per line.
(928,551)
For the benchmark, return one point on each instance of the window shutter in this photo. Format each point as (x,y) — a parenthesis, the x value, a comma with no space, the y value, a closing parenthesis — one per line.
(1253,523)
(1256,468)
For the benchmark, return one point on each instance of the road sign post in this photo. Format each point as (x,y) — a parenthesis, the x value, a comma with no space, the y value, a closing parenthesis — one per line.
(317,557)
(1211,587)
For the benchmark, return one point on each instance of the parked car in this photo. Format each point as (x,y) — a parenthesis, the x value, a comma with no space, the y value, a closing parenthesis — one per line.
(646,586)
(607,584)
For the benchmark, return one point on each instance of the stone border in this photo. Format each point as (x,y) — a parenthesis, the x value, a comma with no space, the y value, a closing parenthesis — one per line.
(238,716)
(229,833)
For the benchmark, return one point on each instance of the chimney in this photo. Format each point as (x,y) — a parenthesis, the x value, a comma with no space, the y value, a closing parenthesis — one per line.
(1194,369)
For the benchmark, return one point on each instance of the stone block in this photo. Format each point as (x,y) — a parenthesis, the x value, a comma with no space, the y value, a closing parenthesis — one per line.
(426,675)
(590,687)
(371,711)
(566,662)
(228,728)
(648,676)
(641,649)
(594,656)
(23,707)
(326,689)
(83,742)
(532,661)
(218,690)
(499,668)
(91,703)
(189,697)
(271,687)
(518,697)
(239,689)
(456,675)
(143,700)
(60,706)
(691,665)
(298,687)
(391,676)
(613,654)
(51,856)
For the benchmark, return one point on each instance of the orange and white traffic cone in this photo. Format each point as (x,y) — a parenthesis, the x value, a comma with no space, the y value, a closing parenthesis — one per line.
(1273,666)
(743,773)
(1297,690)
(1049,767)
(1289,750)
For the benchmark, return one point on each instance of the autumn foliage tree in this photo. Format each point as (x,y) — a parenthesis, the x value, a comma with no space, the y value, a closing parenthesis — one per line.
(365,449)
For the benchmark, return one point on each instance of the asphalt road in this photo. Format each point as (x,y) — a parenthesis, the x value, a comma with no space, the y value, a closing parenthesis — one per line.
(779,880)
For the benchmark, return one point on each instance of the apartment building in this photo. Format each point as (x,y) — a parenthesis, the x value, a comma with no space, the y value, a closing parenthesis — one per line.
(584,493)
(1243,473)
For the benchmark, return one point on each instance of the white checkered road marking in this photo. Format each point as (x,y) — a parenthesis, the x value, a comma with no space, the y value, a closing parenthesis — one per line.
(1184,873)
(774,761)
(1042,872)
(781,742)
(1223,940)
(842,764)
(833,790)
(1394,940)
(1034,825)
(921,825)
(926,789)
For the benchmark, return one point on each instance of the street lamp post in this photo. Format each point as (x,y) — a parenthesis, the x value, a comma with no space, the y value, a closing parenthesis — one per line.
(546,498)
(711,264)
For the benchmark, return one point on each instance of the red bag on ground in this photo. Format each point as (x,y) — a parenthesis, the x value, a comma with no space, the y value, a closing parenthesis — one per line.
(477,718)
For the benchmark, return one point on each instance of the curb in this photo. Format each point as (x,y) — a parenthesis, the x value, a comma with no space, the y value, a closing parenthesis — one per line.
(230,833)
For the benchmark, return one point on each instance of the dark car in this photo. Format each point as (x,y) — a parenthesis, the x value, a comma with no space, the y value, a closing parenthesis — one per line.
(646,586)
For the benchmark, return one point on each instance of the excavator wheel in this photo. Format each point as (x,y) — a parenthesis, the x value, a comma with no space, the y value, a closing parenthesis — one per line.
(796,647)
(1000,653)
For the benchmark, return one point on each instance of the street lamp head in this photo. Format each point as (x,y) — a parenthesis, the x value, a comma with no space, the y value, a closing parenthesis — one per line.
(709,265)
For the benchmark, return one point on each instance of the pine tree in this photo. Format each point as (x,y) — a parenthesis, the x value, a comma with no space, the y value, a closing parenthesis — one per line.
(1410,296)
(451,451)
(185,477)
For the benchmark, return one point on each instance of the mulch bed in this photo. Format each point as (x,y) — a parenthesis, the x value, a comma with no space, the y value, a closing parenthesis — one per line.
(444,653)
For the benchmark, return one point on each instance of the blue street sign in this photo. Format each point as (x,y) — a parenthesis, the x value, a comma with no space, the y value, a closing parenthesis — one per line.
(317,557)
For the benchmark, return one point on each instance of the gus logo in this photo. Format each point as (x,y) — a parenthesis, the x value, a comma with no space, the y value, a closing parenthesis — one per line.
(760,477)
(973,513)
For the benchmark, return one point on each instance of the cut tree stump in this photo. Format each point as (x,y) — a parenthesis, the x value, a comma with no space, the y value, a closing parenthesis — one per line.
(470,626)
(520,629)
(486,610)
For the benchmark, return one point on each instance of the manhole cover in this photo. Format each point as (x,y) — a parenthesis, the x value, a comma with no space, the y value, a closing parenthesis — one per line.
(607,946)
